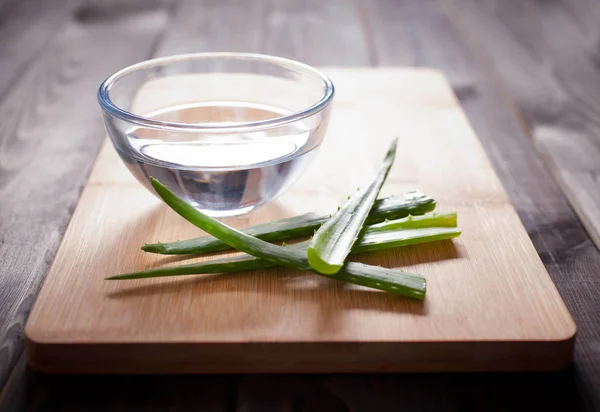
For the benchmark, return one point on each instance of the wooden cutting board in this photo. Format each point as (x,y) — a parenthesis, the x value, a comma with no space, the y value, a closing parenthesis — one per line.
(490,304)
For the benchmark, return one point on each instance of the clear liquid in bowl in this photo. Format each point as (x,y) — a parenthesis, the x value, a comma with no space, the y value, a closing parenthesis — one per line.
(223,175)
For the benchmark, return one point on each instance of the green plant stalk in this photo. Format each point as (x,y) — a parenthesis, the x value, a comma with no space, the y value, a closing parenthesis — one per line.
(392,207)
(380,240)
(405,224)
(368,242)
(415,222)
(391,234)
(389,280)
(332,243)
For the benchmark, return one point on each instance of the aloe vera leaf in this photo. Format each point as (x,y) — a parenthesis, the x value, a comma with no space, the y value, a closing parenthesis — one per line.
(333,241)
(395,207)
(380,240)
(389,280)
(402,283)
(391,234)
(416,222)
(287,257)
(244,262)
(392,207)
(240,263)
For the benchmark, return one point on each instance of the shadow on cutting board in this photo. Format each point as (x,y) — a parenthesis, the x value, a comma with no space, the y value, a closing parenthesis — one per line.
(282,283)
(331,296)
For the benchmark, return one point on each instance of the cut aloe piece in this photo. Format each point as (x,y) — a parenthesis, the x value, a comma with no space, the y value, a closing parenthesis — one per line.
(389,280)
(333,241)
(240,263)
(392,207)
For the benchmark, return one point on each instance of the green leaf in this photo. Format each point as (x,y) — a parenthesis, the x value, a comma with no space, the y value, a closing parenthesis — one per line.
(390,280)
(379,240)
(333,241)
(393,207)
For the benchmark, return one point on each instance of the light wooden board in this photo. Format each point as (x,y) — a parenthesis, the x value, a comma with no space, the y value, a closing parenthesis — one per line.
(490,303)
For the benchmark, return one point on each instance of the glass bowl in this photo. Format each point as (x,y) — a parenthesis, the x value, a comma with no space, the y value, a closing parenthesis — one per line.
(226,131)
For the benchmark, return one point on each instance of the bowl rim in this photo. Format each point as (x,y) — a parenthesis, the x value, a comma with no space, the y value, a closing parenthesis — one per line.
(112,109)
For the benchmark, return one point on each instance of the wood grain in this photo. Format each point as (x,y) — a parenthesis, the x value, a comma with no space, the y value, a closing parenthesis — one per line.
(199,27)
(26,27)
(552,76)
(569,256)
(307,31)
(49,134)
(285,321)
(321,33)
(420,33)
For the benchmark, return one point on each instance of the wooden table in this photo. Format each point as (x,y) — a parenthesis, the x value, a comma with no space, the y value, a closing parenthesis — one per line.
(526,73)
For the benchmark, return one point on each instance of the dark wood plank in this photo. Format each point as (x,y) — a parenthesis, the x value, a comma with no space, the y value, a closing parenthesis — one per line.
(50,132)
(320,33)
(554,80)
(29,391)
(408,392)
(587,14)
(5,6)
(419,33)
(546,55)
(263,393)
(26,27)
(214,26)
(409,32)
